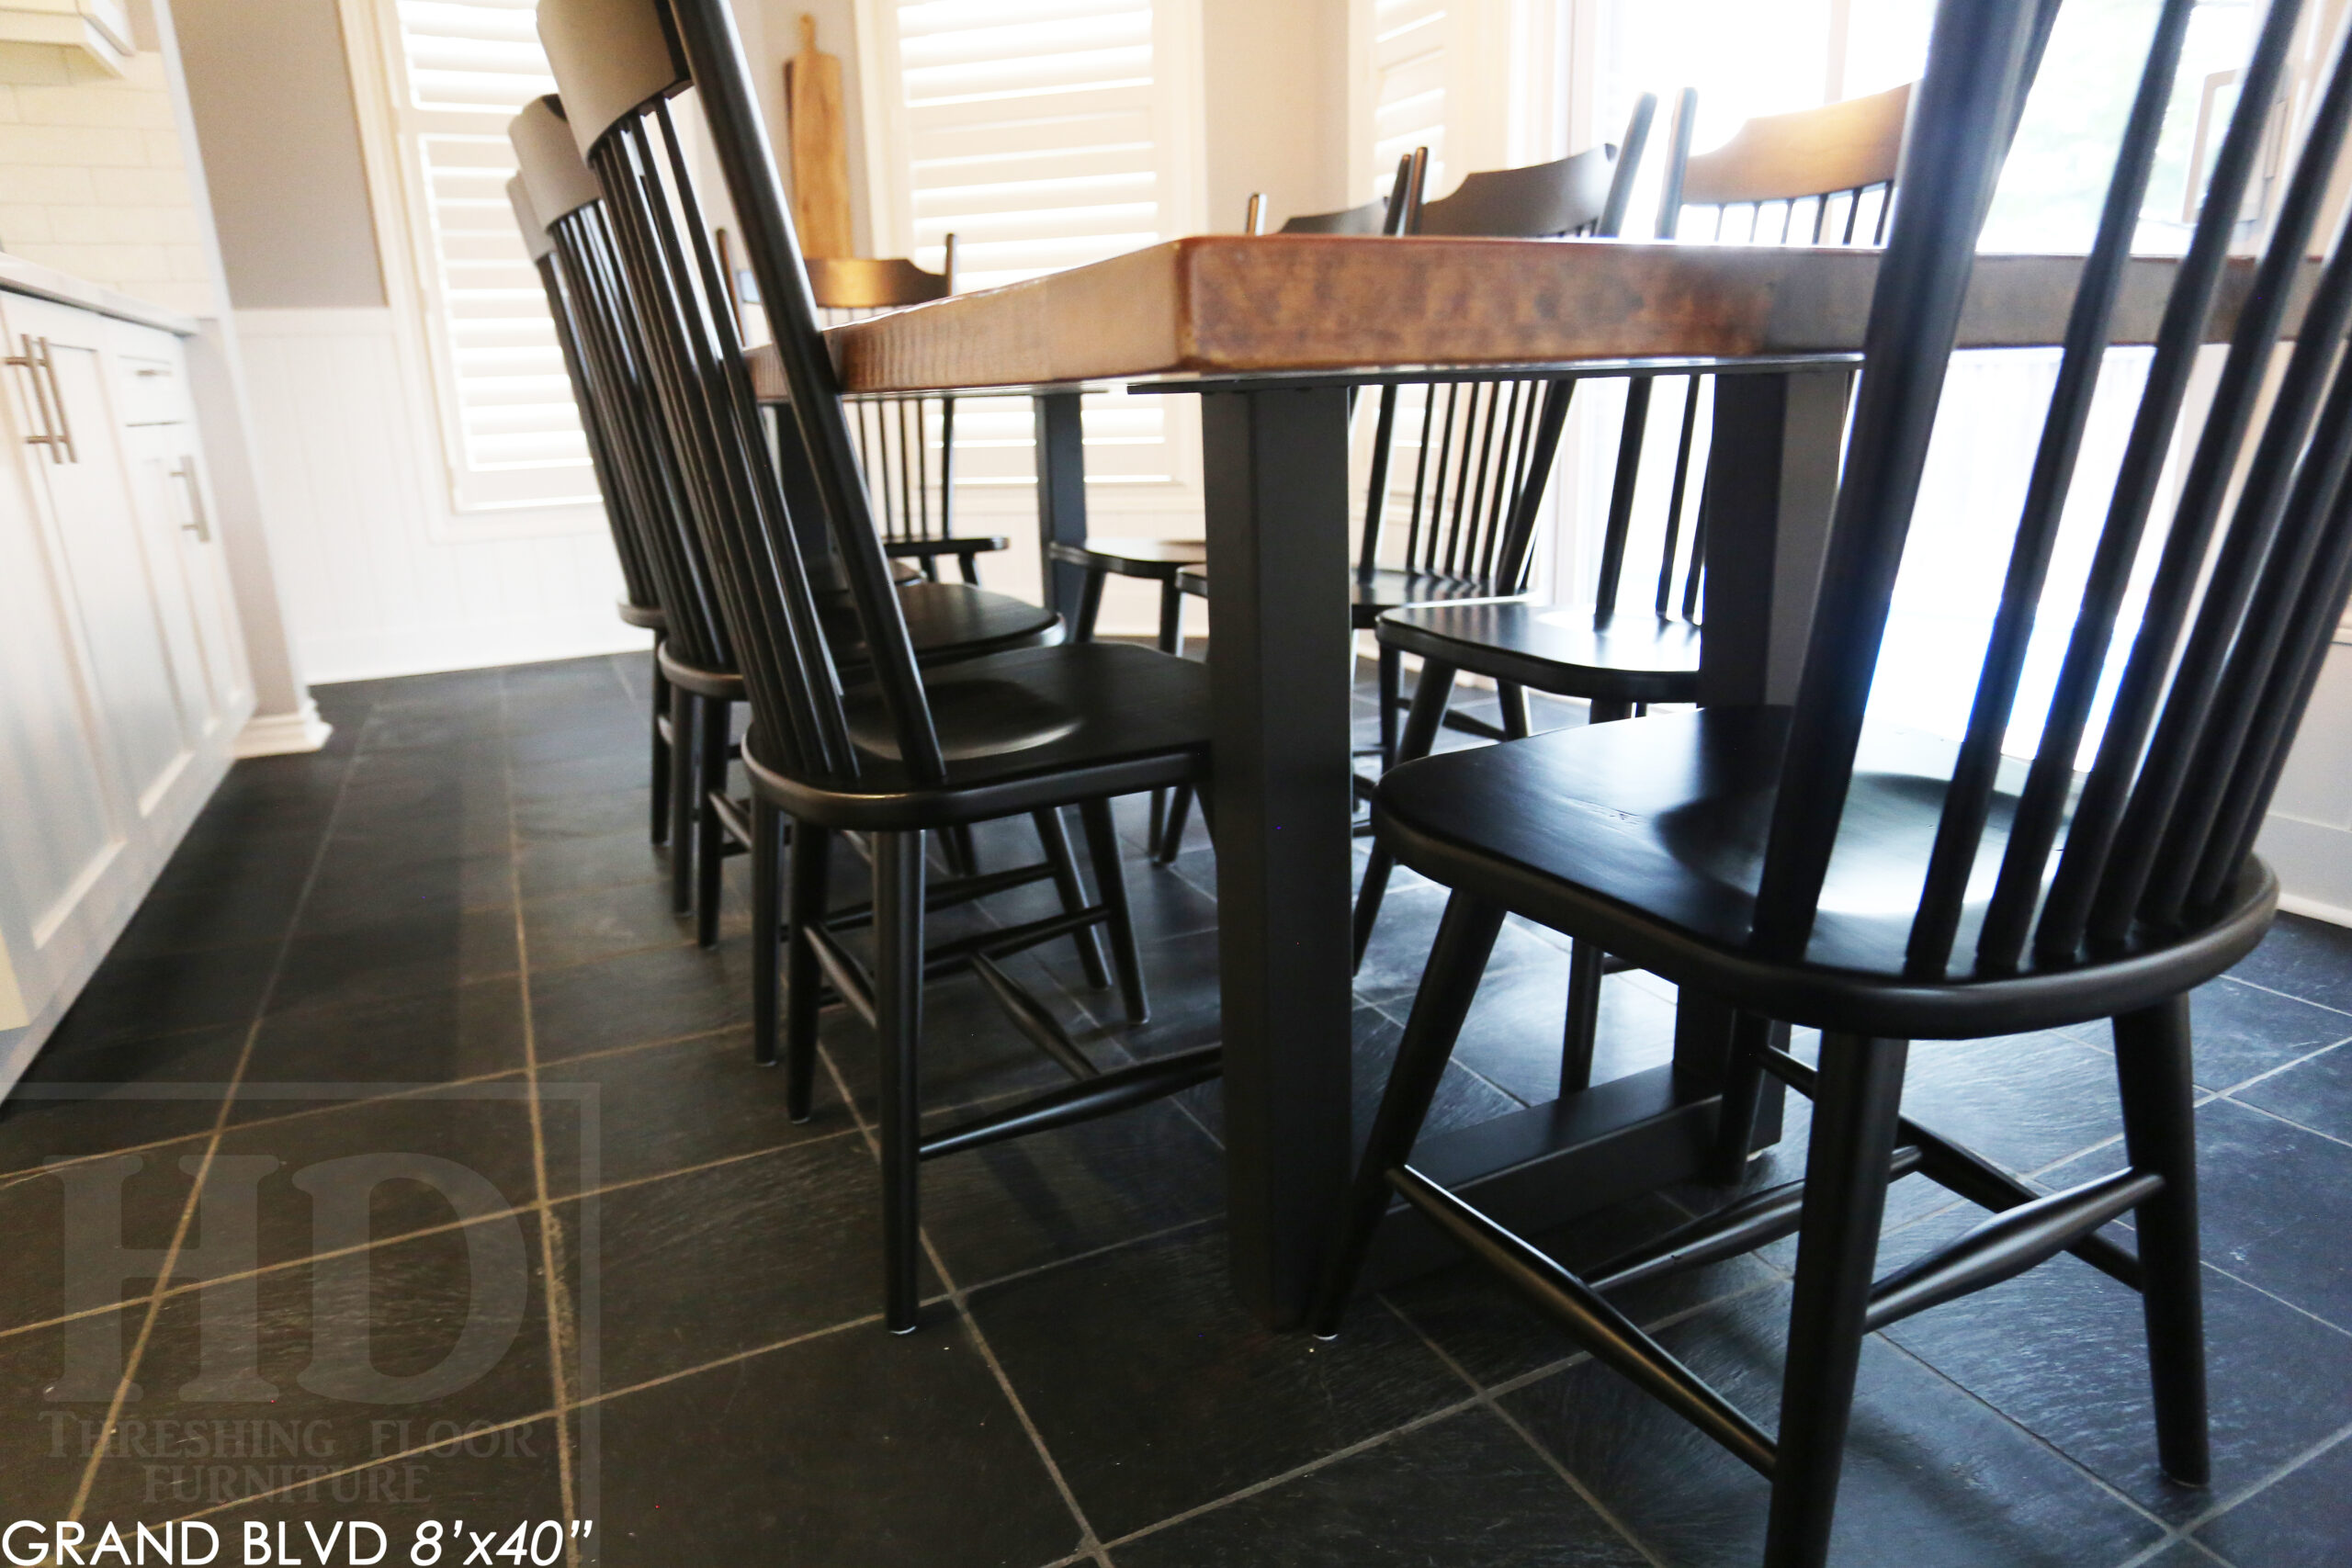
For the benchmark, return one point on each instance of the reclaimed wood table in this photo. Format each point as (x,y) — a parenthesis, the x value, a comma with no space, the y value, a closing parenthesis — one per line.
(1271,331)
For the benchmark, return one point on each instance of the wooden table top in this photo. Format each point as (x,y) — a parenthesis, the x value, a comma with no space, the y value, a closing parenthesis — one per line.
(1229,305)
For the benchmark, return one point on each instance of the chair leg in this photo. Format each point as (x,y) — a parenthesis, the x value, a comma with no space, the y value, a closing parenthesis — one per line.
(1392,697)
(1583,1030)
(1172,642)
(684,708)
(1854,1117)
(1743,1095)
(1608,710)
(1054,836)
(1171,617)
(1090,603)
(767,921)
(898,1021)
(710,847)
(2152,1068)
(1171,833)
(1111,884)
(662,705)
(971,566)
(1511,698)
(804,980)
(1458,959)
(963,854)
(1430,696)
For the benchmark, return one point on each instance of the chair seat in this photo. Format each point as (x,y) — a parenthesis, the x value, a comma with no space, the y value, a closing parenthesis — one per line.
(703,680)
(1370,596)
(1156,559)
(970,544)
(1639,658)
(648,616)
(1648,836)
(1037,727)
(955,620)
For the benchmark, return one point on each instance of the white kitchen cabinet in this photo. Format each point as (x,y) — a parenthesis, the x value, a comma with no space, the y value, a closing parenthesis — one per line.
(122,674)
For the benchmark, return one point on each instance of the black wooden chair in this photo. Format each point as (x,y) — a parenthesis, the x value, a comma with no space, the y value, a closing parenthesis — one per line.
(694,659)
(1883,885)
(913,495)
(945,620)
(1160,560)
(851,735)
(1841,158)
(1460,467)
(642,605)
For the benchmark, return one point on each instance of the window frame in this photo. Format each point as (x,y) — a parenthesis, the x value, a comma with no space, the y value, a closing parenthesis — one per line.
(397,202)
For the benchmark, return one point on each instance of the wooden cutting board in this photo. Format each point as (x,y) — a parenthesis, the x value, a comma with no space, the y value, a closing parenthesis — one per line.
(812,97)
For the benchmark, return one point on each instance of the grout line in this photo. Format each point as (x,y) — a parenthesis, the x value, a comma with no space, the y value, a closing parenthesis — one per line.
(996,1281)
(560,1304)
(1363,1445)
(1493,1403)
(1089,1544)
(2046,1445)
(2275,991)
(2165,1544)
(2268,1073)
(155,1299)
(2316,1451)
(385,1092)
(2287,1121)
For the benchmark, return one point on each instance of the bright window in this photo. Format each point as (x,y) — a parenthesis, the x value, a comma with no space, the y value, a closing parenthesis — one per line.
(1408,88)
(458,70)
(1043,134)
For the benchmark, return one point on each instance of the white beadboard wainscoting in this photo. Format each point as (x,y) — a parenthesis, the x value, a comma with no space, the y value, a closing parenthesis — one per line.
(379,576)
(2307,838)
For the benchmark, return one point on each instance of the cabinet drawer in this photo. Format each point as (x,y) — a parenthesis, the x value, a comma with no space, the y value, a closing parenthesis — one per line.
(153,390)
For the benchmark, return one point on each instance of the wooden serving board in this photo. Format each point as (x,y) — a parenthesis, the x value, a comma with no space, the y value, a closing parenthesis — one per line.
(820,140)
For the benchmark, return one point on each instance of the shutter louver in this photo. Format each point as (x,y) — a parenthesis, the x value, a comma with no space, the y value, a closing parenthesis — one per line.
(512,434)
(1408,70)
(1035,131)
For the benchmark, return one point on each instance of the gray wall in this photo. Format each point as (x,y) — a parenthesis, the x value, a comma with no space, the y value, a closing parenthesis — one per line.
(270,87)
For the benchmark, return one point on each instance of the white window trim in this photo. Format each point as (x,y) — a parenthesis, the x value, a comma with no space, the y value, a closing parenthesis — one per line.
(370,32)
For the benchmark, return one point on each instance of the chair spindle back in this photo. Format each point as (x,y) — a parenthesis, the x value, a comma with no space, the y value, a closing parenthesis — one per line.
(2238,617)
(614,356)
(912,491)
(620,512)
(630,57)
(1482,451)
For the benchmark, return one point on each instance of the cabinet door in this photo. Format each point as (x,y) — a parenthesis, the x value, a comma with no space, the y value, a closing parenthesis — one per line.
(196,615)
(63,872)
(158,409)
(118,583)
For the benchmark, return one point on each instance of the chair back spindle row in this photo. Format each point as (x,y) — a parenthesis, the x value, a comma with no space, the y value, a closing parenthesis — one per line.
(2238,615)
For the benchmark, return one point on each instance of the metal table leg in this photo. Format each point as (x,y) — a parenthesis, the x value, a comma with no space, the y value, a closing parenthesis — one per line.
(1061,497)
(1280,663)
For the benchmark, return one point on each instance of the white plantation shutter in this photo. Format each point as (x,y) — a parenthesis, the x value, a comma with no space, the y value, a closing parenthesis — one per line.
(1408,87)
(461,69)
(1043,134)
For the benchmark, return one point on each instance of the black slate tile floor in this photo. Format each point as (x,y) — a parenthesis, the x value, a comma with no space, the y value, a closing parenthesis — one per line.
(421,995)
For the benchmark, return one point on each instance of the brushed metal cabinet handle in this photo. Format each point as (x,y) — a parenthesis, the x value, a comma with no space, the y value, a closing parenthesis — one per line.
(184,471)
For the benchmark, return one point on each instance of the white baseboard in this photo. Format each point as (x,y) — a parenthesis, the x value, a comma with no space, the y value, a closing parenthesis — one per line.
(2334,914)
(283,734)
